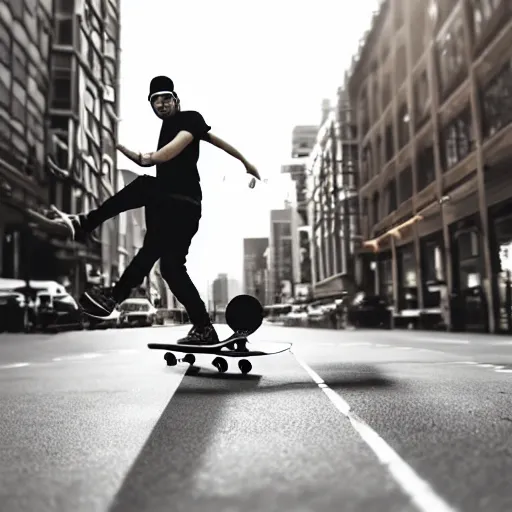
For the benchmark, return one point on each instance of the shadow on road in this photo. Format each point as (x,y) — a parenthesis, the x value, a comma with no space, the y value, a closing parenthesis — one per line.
(362,377)
(172,454)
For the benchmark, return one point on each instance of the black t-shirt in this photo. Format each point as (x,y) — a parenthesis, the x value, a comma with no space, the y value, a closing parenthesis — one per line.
(180,175)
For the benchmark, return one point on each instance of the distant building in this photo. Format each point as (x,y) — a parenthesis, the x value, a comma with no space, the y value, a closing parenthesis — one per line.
(303,140)
(255,268)
(220,292)
(25,46)
(283,255)
(333,201)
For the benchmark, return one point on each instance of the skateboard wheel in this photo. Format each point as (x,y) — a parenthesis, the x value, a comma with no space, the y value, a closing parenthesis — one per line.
(190,359)
(170,359)
(245,366)
(220,364)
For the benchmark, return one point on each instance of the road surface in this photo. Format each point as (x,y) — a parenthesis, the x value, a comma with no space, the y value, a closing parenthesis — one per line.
(350,420)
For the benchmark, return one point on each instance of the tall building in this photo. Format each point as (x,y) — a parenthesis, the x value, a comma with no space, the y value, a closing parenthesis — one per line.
(83,124)
(303,142)
(25,44)
(333,201)
(433,87)
(220,293)
(255,268)
(283,255)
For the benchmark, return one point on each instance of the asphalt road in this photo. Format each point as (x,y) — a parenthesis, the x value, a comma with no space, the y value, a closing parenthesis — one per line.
(350,420)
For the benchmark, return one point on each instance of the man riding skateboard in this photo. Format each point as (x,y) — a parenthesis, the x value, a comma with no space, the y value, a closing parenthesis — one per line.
(172,202)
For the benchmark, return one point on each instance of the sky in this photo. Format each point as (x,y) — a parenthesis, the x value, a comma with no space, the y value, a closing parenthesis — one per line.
(254,70)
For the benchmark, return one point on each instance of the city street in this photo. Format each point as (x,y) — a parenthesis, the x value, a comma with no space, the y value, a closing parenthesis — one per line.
(349,420)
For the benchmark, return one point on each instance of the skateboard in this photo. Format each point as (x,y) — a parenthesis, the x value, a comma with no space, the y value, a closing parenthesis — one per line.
(244,315)
(56,218)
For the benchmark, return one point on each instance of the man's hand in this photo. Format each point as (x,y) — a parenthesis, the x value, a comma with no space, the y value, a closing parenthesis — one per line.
(252,170)
(144,160)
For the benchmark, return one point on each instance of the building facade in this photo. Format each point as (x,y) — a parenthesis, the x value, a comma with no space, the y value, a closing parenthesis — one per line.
(255,268)
(25,46)
(433,90)
(84,105)
(220,295)
(283,260)
(333,201)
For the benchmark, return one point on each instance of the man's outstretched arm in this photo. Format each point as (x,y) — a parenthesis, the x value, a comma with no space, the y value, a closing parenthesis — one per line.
(168,152)
(230,150)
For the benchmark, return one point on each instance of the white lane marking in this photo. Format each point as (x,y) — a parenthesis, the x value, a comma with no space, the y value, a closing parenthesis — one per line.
(75,357)
(419,490)
(404,348)
(503,371)
(448,341)
(14,365)
(381,345)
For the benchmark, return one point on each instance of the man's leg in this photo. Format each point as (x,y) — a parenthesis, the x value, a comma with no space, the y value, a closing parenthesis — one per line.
(174,271)
(140,192)
(98,303)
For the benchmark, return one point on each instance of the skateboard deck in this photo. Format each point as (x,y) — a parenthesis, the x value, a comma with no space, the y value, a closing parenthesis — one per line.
(248,350)
(244,315)
(243,351)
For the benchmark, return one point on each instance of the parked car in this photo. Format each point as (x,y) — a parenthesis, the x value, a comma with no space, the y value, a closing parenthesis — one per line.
(136,312)
(369,311)
(57,312)
(13,314)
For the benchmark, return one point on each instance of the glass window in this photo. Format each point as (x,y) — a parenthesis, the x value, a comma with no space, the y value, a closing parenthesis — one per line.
(5,131)
(65,6)
(62,93)
(5,76)
(44,46)
(403,125)
(405,184)
(401,65)
(16,8)
(497,101)
(20,143)
(64,31)
(90,101)
(5,95)
(451,55)
(388,142)
(19,63)
(426,168)
(5,45)
(19,92)
(391,196)
(457,140)
(421,99)
(18,111)
(386,90)
(375,208)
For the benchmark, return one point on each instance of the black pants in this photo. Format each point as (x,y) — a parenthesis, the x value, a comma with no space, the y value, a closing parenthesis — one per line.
(170,226)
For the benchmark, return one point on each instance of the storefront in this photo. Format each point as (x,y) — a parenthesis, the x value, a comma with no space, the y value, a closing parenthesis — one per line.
(385,276)
(407,278)
(501,253)
(469,302)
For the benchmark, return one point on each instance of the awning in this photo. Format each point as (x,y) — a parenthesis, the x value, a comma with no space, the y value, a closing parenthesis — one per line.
(395,231)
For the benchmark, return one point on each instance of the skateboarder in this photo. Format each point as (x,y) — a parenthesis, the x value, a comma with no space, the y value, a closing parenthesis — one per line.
(172,202)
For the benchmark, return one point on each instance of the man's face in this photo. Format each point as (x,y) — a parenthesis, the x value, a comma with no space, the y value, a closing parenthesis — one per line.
(164,105)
